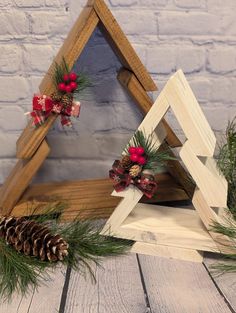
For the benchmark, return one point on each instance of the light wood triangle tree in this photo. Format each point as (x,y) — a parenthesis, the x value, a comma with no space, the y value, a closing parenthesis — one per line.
(16,194)
(177,232)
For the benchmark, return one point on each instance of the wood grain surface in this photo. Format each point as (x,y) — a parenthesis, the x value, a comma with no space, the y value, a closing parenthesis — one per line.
(118,289)
(180,287)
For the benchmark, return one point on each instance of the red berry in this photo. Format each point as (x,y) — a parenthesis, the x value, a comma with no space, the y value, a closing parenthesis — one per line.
(72,76)
(142,160)
(61,87)
(68,89)
(66,78)
(73,85)
(140,150)
(132,150)
(134,157)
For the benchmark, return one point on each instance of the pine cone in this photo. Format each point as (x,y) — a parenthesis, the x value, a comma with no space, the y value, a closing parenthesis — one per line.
(126,162)
(32,238)
(66,100)
(56,97)
(135,170)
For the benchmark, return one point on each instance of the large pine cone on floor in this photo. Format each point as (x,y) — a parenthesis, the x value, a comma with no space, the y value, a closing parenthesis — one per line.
(32,238)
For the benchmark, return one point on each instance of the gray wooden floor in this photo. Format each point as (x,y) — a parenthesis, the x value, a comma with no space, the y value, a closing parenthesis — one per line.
(133,284)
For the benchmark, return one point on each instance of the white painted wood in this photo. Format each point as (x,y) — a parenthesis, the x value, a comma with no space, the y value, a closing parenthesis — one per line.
(226,282)
(158,227)
(211,183)
(175,286)
(167,252)
(118,289)
(162,225)
(131,195)
(189,115)
(46,299)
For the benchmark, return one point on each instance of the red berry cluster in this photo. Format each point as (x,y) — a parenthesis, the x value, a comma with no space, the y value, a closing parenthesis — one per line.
(69,83)
(137,155)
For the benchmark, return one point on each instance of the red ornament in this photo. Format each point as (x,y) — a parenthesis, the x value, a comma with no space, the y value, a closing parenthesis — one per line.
(73,85)
(132,150)
(68,89)
(61,87)
(134,157)
(140,150)
(66,78)
(141,160)
(72,76)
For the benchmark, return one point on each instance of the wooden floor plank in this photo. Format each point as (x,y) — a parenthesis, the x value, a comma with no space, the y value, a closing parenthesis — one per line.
(180,287)
(45,300)
(225,282)
(118,289)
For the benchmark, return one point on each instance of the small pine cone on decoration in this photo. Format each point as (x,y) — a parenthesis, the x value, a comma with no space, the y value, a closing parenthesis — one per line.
(32,238)
(126,162)
(135,170)
(66,100)
(56,97)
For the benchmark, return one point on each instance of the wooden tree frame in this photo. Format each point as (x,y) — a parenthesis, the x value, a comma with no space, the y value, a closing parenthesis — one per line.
(90,198)
(183,231)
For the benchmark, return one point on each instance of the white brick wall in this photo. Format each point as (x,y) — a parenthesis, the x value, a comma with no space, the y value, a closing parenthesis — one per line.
(198,36)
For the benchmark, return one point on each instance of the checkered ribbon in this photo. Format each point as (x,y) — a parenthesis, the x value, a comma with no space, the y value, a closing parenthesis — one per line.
(43,106)
(121,178)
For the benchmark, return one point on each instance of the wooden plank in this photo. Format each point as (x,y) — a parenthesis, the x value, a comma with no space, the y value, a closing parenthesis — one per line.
(71,49)
(156,224)
(20,177)
(88,198)
(180,287)
(46,299)
(167,252)
(122,46)
(139,94)
(226,282)
(118,289)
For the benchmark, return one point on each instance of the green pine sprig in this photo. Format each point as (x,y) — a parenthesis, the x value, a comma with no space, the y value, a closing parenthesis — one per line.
(155,158)
(21,274)
(226,161)
(61,69)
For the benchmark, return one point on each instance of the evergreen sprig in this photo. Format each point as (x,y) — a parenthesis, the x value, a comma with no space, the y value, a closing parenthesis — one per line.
(20,273)
(155,157)
(226,161)
(60,70)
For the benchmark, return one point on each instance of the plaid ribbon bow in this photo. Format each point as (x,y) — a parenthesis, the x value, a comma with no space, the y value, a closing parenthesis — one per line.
(43,106)
(145,182)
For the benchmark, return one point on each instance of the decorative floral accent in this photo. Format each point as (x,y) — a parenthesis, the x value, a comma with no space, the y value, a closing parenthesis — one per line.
(61,102)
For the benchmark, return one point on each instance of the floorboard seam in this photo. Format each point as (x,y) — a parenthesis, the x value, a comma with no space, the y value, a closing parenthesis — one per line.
(149,310)
(218,288)
(65,291)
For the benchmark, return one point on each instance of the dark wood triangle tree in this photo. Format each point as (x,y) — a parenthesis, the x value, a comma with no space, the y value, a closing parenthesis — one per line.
(32,148)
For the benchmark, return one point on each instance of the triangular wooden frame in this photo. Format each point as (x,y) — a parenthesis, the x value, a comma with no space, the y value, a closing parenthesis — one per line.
(32,148)
(178,228)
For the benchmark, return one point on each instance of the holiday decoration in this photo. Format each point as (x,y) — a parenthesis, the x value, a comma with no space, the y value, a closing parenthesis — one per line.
(31,238)
(30,247)
(226,161)
(151,226)
(61,102)
(142,155)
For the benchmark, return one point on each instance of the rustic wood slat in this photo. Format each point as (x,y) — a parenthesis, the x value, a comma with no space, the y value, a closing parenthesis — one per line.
(20,177)
(46,299)
(226,282)
(156,224)
(74,44)
(122,46)
(118,289)
(88,198)
(180,287)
